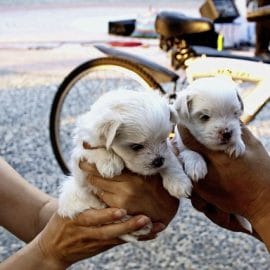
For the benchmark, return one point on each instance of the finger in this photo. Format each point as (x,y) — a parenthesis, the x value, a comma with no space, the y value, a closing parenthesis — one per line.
(218,216)
(212,212)
(190,141)
(198,202)
(224,219)
(93,217)
(89,168)
(106,197)
(100,193)
(111,231)
(112,199)
(92,170)
(248,137)
(107,185)
(246,134)
(102,244)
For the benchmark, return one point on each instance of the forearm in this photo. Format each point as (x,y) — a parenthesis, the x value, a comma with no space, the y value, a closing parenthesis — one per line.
(30,257)
(21,204)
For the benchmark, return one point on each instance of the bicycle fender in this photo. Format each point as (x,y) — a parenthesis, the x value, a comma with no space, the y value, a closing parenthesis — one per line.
(160,73)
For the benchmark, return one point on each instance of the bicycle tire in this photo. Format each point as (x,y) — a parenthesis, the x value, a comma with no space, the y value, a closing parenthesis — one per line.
(77,75)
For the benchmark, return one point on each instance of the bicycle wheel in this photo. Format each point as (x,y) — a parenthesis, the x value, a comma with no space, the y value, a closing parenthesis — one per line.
(81,88)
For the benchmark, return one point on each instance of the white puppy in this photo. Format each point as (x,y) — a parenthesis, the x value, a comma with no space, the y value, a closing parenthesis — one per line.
(124,129)
(210,108)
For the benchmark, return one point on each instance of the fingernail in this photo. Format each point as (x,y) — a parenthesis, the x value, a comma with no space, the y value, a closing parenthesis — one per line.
(120,213)
(143,221)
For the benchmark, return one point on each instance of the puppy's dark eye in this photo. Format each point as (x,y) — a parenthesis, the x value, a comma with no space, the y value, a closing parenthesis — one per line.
(136,147)
(237,113)
(204,117)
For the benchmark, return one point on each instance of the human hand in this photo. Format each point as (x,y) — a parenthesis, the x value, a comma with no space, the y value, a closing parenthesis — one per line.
(137,194)
(65,241)
(219,217)
(240,186)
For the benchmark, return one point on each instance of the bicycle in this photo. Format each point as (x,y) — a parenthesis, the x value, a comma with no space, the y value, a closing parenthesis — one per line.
(120,69)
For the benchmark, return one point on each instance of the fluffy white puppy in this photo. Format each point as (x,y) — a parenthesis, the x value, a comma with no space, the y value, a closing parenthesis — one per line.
(210,108)
(124,129)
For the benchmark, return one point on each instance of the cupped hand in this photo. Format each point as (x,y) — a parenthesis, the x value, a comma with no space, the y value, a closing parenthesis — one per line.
(240,186)
(219,217)
(65,241)
(137,194)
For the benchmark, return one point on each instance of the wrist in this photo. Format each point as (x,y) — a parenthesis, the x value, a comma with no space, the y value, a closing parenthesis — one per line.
(261,226)
(48,261)
(31,257)
(260,218)
(45,213)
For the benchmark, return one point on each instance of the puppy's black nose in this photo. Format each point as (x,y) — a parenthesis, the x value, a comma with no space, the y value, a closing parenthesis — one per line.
(158,162)
(226,134)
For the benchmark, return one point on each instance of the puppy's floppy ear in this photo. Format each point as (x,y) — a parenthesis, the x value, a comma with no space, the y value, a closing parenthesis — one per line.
(183,103)
(240,101)
(174,118)
(109,130)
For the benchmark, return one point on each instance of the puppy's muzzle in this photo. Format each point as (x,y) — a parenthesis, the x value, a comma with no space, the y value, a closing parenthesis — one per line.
(225,135)
(158,162)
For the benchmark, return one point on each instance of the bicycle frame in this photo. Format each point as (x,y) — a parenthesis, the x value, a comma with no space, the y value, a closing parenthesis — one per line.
(241,68)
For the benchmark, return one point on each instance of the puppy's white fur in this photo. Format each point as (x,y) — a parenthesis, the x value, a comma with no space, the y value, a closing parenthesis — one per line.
(132,127)
(210,108)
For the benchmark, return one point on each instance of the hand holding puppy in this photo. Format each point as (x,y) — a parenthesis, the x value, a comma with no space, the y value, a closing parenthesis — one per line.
(65,241)
(123,129)
(240,186)
(137,194)
(210,108)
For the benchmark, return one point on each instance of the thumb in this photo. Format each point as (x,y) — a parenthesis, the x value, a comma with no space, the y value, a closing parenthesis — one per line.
(190,142)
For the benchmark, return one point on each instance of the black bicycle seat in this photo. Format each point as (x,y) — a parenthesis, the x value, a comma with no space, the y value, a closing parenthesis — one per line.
(174,24)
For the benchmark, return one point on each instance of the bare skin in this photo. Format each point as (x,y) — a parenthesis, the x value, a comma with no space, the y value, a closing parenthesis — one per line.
(232,186)
(64,241)
(55,242)
(239,186)
(134,193)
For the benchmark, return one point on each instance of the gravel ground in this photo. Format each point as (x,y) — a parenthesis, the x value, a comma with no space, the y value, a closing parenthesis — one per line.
(191,242)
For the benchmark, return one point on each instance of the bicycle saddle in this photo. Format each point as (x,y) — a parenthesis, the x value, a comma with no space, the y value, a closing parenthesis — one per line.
(174,24)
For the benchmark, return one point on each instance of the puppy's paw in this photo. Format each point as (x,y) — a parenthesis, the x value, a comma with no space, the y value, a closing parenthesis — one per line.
(244,223)
(144,231)
(194,165)
(236,150)
(110,166)
(133,237)
(178,186)
(129,238)
(71,208)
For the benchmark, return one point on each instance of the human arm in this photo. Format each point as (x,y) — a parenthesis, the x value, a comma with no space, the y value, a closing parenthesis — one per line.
(64,241)
(239,186)
(24,210)
(137,194)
